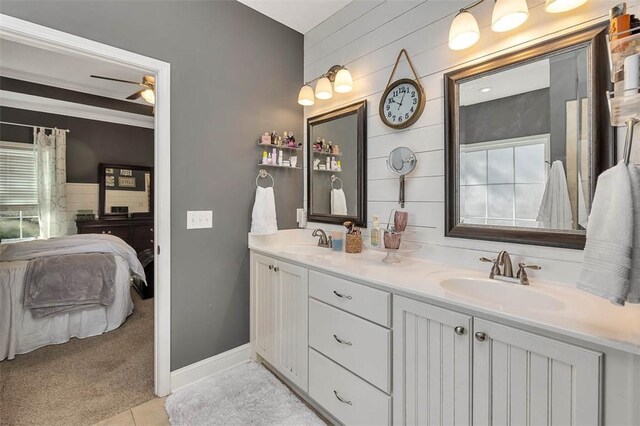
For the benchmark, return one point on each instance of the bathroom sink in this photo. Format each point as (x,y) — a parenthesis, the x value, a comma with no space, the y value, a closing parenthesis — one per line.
(502,295)
(305,249)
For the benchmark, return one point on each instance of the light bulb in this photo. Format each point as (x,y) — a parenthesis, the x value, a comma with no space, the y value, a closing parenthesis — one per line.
(305,97)
(509,14)
(149,96)
(464,31)
(557,6)
(343,82)
(323,89)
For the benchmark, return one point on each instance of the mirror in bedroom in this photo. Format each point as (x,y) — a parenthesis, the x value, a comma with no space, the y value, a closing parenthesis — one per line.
(336,171)
(527,135)
(125,190)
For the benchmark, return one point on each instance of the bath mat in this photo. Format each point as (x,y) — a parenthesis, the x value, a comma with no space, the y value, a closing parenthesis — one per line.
(244,395)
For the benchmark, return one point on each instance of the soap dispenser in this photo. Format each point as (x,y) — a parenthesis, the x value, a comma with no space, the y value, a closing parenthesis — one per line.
(375,231)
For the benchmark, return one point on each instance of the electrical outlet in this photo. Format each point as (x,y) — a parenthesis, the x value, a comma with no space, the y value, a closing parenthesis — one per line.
(199,219)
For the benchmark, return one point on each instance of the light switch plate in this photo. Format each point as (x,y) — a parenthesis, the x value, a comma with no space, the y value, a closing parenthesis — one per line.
(201,219)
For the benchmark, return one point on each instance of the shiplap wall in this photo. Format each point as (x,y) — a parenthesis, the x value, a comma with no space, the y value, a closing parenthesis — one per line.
(80,196)
(366,36)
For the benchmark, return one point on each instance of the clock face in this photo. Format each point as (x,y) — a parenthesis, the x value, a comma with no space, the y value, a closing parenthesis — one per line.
(402,104)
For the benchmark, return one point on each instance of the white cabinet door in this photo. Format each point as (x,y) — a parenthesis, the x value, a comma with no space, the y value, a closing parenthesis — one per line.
(431,365)
(292,323)
(265,296)
(521,378)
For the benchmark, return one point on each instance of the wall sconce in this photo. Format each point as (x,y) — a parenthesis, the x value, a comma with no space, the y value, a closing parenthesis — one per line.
(339,75)
(507,15)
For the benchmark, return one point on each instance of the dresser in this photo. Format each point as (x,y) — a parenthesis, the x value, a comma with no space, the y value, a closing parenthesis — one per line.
(137,232)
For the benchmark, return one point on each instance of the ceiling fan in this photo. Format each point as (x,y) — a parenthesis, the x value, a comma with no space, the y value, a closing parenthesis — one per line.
(148,87)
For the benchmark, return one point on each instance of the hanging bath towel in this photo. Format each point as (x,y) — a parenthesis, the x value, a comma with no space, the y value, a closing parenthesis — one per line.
(606,269)
(263,218)
(555,208)
(338,202)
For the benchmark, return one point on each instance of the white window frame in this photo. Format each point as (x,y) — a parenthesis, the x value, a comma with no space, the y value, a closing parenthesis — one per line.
(541,139)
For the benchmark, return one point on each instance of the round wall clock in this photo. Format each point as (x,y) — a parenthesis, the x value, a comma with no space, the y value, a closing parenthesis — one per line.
(402,103)
(403,100)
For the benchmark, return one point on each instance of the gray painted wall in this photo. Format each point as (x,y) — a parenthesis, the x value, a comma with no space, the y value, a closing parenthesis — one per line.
(515,116)
(89,142)
(234,75)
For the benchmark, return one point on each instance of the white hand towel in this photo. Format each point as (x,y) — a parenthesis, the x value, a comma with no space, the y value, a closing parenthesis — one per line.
(634,281)
(263,217)
(338,202)
(555,207)
(606,268)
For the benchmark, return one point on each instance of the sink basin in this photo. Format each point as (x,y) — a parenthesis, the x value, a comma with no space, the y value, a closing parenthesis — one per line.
(305,249)
(502,295)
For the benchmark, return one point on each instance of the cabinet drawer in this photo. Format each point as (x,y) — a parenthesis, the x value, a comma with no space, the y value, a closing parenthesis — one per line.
(360,346)
(367,302)
(343,394)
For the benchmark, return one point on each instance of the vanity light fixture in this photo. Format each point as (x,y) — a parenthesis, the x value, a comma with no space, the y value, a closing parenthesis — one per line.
(337,79)
(507,15)
(558,6)
(149,96)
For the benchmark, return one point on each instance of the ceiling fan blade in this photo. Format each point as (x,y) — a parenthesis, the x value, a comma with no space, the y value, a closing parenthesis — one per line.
(136,95)
(116,79)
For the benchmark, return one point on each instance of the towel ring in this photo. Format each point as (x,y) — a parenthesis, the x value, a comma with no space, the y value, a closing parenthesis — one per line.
(263,174)
(334,178)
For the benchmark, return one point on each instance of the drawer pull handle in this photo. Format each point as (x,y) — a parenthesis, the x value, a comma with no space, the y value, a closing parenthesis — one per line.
(480,336)
(276,269)
(459,330)
(270,267)
(342,342)
(342,296)
(341,399)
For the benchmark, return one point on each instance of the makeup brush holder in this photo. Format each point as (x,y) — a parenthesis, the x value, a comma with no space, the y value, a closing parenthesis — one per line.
(392,239)
(353,243)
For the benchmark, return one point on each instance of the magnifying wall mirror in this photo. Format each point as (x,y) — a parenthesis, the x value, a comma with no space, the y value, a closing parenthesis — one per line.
(401,161)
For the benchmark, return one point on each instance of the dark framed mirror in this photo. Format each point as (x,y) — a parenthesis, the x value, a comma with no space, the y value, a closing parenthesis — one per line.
(125,190)
(336,165)
(527,134)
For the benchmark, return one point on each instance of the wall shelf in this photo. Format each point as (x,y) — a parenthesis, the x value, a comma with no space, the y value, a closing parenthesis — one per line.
(623,106)
(280,167)
(327,171)
(621,45)
(270,146)
(327,153)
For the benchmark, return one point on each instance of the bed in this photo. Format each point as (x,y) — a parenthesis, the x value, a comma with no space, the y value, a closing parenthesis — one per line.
(21,331)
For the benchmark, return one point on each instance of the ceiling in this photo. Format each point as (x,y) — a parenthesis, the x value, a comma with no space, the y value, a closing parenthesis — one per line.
(513,81)
(28,63)
(301,15)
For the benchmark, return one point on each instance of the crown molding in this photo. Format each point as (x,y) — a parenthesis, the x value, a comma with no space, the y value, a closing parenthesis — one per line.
(71,109)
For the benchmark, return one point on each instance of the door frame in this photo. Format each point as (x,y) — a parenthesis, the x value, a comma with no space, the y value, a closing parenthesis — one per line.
(26,32)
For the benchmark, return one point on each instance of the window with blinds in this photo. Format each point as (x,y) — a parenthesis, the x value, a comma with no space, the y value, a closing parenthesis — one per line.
(18,183)
(18,192)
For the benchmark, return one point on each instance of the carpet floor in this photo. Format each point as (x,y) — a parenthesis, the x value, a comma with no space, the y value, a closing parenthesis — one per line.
(247,394)
(82,381)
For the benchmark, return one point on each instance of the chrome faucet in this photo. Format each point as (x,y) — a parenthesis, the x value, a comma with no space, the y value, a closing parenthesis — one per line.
(504,260)
(324,241)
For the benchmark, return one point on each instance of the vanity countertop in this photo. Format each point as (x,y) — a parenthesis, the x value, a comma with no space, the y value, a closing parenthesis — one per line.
(572,312)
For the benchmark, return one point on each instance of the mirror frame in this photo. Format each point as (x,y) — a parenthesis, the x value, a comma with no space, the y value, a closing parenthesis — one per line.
(601,135)
(102,189)
(360,109)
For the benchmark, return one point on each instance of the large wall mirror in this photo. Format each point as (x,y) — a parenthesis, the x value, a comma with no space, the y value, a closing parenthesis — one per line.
(527,135)
(125,190)
(336,165)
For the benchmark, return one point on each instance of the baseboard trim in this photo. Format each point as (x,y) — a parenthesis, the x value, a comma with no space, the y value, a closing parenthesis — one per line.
(208,367)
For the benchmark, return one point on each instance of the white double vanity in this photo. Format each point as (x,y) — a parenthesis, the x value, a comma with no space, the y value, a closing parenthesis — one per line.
(369,343)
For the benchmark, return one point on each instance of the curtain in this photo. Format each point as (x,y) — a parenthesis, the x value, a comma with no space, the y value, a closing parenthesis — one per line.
(51,171)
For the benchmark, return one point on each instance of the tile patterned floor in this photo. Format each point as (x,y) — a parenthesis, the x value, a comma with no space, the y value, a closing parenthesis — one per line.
(150,413)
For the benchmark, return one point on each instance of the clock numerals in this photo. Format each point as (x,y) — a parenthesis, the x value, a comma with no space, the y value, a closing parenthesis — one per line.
(402,104)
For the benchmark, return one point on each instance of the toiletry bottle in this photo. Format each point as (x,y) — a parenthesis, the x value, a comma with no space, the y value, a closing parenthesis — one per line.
(264,157)
(328,162)
(375,231)
(280,158)
(334,165)
(274,156)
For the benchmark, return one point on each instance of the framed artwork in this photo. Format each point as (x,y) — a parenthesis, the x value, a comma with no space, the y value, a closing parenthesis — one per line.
(108,171)
(110,181)
(126,172)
